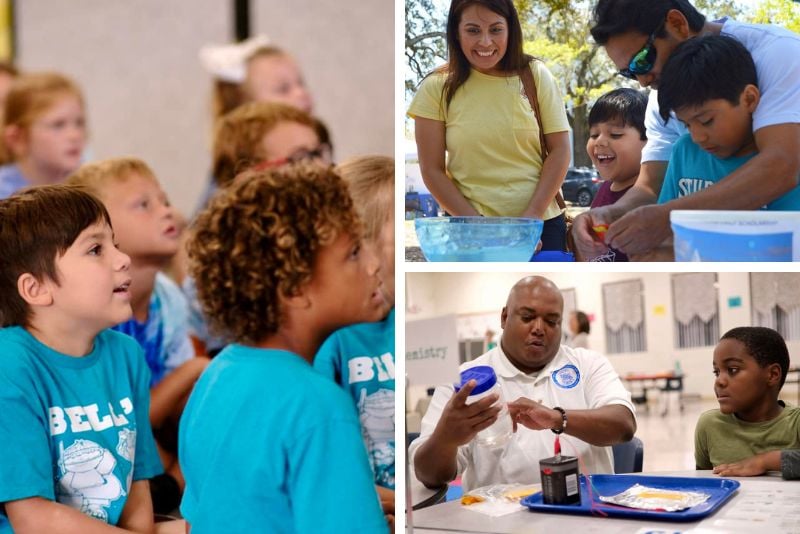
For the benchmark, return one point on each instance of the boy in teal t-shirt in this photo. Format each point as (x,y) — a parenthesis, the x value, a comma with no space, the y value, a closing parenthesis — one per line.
(711,84)
(361,357)
(266,443)
(77,444)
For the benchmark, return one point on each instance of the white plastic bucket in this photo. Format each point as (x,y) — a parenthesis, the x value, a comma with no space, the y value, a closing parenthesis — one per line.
(736,235)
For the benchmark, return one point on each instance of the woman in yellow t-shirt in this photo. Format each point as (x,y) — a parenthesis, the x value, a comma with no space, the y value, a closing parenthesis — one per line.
(475,109)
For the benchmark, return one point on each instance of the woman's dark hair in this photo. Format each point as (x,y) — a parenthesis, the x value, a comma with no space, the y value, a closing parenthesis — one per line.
(614,17)
(583,322)
(765,345)
(623,104)
(458,66)
(705,68)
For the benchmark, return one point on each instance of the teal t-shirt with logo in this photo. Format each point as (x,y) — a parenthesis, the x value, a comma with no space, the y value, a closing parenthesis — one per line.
(361,359)
(74,430)
(267,444)
(692,169)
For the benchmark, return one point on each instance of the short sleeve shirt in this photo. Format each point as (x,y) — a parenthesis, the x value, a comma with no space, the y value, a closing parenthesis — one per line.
(492,137)
(724,438)
(284,452)
(692,169)
(776,54)
(164,336)
(361,359)
(74,430)
(11,180)
(576,379)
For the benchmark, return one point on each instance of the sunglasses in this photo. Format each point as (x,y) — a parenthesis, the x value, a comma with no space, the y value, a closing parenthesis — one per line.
(642,61)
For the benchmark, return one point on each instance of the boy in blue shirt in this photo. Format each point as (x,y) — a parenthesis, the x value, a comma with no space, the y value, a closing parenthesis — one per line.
(147,231)
(77,444)
(361,357)
(267,443)
(710,82)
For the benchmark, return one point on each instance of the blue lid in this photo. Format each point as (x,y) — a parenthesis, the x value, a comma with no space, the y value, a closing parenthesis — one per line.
(553,255)
(483,375)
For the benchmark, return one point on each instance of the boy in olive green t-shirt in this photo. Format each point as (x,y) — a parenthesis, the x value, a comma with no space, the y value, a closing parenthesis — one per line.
(750,364)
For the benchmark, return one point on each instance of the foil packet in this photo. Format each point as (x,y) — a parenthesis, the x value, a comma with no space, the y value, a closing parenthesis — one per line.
(647,498)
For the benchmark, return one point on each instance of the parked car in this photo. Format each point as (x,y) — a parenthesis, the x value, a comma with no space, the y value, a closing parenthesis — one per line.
(420,205)
(581,185)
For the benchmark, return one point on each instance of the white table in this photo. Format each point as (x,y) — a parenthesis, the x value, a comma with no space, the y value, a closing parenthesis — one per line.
(422,496)
(765,504)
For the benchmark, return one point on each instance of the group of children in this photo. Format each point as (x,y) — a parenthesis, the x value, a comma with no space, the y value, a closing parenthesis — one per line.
(711,85)
(291,424)
(106,352)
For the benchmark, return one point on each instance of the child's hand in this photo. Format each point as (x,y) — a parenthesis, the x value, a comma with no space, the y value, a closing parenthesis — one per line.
(387,504)
(750,467)
(600,231)
(588,243)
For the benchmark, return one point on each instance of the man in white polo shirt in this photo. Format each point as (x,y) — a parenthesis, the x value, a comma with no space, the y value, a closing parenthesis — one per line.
(553,388)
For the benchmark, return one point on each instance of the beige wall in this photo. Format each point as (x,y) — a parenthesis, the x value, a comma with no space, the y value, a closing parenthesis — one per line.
(148,96)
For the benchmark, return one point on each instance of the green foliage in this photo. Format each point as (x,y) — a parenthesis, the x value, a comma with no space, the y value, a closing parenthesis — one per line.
(557,32)
(716,9)
(780,12)
(425,43)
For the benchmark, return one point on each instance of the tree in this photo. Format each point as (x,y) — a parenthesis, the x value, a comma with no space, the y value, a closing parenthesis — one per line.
(781,12)
(557,32)
(425,44)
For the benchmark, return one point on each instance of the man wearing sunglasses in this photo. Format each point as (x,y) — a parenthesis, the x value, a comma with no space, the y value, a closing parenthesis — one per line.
(639,36)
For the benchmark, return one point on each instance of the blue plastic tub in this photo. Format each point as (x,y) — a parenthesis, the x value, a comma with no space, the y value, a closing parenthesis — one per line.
(478,238)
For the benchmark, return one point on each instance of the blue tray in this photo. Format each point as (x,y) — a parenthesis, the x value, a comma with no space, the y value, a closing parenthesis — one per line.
(720,489)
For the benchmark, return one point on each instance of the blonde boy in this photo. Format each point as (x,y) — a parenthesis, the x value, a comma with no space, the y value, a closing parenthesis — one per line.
(147,231)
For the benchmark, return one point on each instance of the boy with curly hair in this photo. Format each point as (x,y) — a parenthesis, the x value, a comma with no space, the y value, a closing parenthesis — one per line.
(258,133)
(279,266)
(77,444)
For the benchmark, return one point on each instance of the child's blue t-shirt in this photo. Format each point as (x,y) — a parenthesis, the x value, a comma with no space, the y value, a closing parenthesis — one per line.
(361,359)
(74,430)
(268,443)
(197,324)
(11,180)
(692,169)
(164,336)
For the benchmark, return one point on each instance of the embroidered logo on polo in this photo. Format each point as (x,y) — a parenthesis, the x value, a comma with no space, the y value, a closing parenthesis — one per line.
(567,377)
